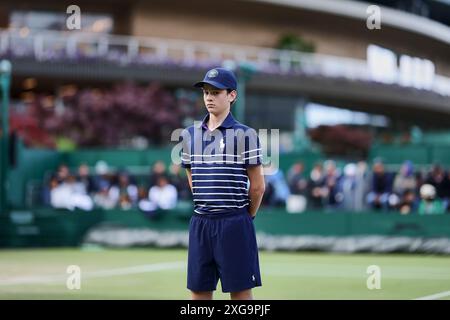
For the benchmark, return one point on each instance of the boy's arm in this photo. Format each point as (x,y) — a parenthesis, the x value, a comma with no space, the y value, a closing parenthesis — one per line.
(189,176)
(257,187)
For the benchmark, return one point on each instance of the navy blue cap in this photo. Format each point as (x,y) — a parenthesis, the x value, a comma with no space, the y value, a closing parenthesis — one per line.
(219,78)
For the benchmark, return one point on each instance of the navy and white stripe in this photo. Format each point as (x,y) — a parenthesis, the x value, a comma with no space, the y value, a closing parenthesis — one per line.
(219,180)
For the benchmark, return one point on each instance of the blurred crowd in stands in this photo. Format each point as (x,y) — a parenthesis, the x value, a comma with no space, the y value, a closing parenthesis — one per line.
(354,187)
(357,187)
(105,188)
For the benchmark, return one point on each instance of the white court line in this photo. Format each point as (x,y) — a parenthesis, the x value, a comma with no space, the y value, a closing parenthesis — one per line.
(435,296)
(96,274)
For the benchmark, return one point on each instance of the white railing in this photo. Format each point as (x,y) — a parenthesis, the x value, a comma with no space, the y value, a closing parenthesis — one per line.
(49,45)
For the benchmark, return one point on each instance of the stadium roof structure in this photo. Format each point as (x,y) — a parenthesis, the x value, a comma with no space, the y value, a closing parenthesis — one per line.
(358,10)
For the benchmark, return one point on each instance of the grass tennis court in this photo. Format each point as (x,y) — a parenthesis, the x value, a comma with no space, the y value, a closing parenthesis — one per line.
(161,274)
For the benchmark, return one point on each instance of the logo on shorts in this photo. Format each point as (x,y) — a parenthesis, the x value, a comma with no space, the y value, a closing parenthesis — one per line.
(253,278)
(213,73)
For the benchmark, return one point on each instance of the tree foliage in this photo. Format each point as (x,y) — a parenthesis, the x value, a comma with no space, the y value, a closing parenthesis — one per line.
(108,117)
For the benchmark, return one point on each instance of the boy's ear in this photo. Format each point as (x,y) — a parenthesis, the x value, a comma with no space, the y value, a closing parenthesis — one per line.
(234,96)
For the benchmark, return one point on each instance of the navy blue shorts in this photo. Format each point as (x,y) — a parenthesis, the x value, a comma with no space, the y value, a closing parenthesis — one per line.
(223,246)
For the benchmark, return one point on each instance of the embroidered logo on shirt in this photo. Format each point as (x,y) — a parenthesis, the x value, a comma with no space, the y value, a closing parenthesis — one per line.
(222,145)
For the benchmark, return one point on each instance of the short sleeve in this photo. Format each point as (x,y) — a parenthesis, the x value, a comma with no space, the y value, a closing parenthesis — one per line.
(252,154)
(185,150)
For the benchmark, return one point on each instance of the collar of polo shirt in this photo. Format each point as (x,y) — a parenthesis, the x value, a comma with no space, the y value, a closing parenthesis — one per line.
(227,123)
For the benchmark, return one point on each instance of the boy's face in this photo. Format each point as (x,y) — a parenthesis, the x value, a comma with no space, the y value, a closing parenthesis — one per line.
(216,100)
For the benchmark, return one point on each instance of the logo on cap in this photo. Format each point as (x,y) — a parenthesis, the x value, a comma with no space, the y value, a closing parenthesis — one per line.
(213,73)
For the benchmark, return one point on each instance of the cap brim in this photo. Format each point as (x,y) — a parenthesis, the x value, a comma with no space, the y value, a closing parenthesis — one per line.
(210,82)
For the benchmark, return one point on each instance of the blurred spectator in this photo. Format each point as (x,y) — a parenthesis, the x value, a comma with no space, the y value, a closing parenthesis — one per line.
(84,178)
(348,187)
(123,191)
(56,179)
(144,203)
(378,197)
(70,195)
(362,187)
(298,187)
(420,180)
(102,198)
(63,173)
(405,179)
(158,169)
(408,202)
(440,181)
(316,180)
(429,203)
(163,194)
(102,179)
(330,187)
(279,189)
(298,184)
(47,190)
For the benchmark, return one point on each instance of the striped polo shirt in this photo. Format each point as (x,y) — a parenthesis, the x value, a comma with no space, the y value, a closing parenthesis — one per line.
(218,160)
